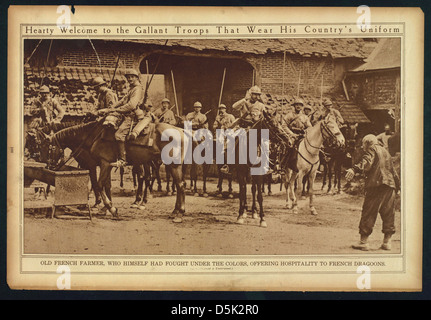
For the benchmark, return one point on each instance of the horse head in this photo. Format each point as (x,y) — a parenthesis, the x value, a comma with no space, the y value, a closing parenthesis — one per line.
(331,132)
(50,151)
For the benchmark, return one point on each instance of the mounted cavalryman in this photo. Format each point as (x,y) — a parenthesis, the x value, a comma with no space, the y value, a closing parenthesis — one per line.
(250,107)
(128,106)
(106,98)
(164,114)
(198,119)
(46,110)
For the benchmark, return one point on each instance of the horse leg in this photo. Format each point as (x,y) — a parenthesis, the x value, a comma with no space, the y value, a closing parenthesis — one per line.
(230,191)
(242,181)
(253,196)
(269,181)
(304,183)
(104,176)
(330,175)
(121,177)
(177,176)
(137,169)
(156,167)
(295,177)
(258,181)
(204,178)
(95,187)
(338,174)
(220,181)
(147,178)
(311,179)
(325,172)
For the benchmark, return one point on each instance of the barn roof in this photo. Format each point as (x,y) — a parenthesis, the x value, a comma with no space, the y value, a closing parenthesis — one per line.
(386,55)
(350,112)
(335,48)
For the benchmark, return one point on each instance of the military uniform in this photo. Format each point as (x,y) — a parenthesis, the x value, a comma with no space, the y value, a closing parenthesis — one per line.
(198,119)
(46,111)
(165,116)
(298,121)
(223,121)
(106,98)
(128,107)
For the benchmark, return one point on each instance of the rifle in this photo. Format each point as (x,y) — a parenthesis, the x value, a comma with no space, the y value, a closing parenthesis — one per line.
(161,116)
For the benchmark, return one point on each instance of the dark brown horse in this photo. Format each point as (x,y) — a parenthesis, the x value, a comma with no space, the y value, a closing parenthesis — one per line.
(97,147)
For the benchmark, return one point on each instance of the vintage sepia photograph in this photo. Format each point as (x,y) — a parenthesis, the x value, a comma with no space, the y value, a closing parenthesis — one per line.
(202,149)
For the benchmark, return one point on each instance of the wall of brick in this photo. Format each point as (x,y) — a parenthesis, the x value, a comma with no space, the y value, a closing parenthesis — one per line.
(306,72)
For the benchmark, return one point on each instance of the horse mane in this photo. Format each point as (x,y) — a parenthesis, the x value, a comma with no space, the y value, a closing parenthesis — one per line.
(74,131)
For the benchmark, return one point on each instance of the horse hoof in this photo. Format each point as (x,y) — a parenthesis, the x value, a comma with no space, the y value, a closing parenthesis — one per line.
(303,198)
(313,211)
(141,207)
(295,211)
(263,224)
(240,221)
(134,205)
(269,193)
(205,195)
(177,219)
(230,196)
(255,216)
(196,194)
(114,212)
(288,206)
(219,195)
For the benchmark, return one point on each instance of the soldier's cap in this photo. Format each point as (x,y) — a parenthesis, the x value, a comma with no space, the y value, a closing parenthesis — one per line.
(98,81)
(44,89)
(132,72)
(307,106)
(222,106)
(298,101)
(166,100)
(255,90)
(197,104)
(327,102)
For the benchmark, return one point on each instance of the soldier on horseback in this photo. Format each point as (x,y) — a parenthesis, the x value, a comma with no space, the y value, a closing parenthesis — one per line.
(46,109)
(164,114)
(106,98)
(250,107)
(330,110)
(223,119)
(198,119)
(128,107)
(297,121)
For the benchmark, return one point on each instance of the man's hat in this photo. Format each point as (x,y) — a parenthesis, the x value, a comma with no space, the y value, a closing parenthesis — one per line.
(166,100)
(98,81)
(327,102)
(255,89)
(132,72)
(307,106)
(44,89)
(222,106)
(197,105)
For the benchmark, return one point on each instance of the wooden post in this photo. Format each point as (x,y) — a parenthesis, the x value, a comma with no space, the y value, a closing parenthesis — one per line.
(221,90)
(299,82)
(175,92)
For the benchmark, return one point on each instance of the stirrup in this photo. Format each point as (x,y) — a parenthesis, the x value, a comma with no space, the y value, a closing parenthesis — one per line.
(119,164)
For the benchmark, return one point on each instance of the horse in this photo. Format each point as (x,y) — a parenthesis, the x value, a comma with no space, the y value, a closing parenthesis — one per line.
(337,157)
(306,159)
(244,171)
(97,144)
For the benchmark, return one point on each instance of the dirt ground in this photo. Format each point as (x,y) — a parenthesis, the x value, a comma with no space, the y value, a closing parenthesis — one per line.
(208,228)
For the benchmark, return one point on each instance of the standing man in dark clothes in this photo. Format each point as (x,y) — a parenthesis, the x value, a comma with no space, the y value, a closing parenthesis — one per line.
(381,185)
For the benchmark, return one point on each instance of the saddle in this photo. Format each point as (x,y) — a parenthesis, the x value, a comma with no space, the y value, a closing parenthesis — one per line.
(146,138)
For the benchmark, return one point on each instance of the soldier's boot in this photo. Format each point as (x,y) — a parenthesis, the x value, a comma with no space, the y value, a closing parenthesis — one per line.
(121,162)
(363,244)
(386,245)
(139,127)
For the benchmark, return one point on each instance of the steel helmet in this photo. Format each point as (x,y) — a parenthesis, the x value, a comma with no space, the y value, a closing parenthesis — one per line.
(197,105)
(44,89)
(98,81)
(298,101)
(222,106)
(132,72)
(255,89)
(327,102)
(166,100)
(307,106)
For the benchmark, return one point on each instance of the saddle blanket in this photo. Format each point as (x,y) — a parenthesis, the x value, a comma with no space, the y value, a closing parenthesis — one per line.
(146,138)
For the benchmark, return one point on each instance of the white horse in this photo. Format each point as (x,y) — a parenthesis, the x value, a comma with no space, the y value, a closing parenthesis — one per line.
(307,162)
